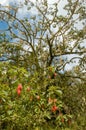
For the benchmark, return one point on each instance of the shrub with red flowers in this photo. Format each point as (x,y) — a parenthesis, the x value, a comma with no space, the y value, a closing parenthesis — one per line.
(26,101)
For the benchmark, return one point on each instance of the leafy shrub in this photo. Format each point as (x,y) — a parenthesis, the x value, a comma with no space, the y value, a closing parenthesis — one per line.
(30,100)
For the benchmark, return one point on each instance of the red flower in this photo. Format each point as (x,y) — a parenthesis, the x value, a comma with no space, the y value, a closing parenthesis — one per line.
(18,92)
(54,108)
(20,87)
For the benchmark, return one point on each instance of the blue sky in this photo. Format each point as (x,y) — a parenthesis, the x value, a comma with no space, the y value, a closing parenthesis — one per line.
(3,25)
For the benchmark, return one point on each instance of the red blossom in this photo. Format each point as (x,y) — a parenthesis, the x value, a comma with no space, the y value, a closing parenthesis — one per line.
(18,92)
(54,108)
(19,87)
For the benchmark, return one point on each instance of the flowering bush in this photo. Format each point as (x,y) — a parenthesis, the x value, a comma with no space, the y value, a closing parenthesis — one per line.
(30,100)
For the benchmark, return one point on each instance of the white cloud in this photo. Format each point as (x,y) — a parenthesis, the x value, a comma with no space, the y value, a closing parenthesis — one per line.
(52,1)
(23,11)
(4,2)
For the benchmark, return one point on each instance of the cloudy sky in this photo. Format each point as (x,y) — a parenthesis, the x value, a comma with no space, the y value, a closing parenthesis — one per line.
(6,2)
(22,12)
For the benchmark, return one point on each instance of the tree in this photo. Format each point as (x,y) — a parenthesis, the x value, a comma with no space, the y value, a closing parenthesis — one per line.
(47,37)
(44,43)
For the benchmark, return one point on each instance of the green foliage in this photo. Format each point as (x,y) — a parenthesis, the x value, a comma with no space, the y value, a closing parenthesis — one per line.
(35,105)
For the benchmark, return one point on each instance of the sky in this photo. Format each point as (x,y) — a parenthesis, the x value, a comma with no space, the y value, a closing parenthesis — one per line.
(23,10)
(6,2)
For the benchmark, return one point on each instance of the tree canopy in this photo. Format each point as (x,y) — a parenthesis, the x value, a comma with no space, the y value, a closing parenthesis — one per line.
(45,37)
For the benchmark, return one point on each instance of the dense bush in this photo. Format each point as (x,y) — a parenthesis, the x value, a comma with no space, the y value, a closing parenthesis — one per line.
(30,100)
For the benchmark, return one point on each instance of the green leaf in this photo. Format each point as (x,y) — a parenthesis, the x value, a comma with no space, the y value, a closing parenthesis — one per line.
(59,92)
(9,112)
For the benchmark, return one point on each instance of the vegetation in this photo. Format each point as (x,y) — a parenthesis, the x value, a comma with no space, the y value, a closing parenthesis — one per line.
(37,91)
